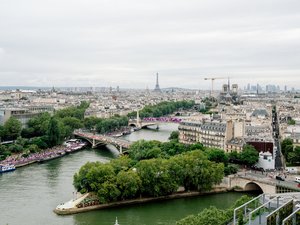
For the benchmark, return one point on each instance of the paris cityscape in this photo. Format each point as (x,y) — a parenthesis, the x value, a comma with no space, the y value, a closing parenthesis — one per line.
(149,113)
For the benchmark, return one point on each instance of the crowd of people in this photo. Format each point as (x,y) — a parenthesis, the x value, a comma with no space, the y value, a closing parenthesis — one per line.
(24,159)
(163,119)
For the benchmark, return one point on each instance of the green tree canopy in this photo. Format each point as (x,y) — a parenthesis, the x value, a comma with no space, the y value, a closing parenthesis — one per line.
(38,125)
(129,184)
(12,128)
(4,152)
(249,155)
(15,148)
(54,132)
(214,216)
(217,155)
(294,156)
(287,147)
(174,135)
(209,216)
(156,180)
(162,109)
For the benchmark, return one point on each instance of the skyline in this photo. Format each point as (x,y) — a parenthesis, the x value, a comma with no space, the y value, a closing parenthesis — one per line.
(113,43)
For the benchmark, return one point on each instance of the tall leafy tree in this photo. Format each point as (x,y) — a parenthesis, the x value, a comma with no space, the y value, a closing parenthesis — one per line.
(249,155)
(174,136)
(217,155)
(156,180)
(294,156)
(2,132)
(4,152)
(287,147)
(12,128)
(215,216)
(129,184)
(210,215)
(38,125)
(54,133)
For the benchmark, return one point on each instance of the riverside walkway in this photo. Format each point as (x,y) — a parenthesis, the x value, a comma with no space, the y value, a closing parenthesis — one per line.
(19,160)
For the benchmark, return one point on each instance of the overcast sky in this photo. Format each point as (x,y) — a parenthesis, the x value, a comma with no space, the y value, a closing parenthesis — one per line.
(125,42)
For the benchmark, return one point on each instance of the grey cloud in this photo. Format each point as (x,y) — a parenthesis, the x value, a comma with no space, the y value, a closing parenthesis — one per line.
(79,43)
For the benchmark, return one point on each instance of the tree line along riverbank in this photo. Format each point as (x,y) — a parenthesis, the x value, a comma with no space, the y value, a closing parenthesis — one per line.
(124,178)
(45,131)
(155,169)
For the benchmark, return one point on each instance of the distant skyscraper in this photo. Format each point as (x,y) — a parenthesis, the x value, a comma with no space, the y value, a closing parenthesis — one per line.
(157,88)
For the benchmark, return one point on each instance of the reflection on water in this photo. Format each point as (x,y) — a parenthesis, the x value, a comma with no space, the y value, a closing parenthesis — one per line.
(164,212)
(151,133)
(28,195)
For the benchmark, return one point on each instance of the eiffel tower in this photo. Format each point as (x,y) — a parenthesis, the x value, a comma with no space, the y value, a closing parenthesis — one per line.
(157,88)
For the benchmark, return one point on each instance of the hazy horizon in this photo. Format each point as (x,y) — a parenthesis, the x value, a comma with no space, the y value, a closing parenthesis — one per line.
(125,43)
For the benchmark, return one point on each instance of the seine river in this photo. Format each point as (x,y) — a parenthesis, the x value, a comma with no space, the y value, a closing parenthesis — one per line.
(29,194)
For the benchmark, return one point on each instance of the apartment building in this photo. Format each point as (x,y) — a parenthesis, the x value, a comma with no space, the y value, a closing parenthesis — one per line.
(23,114)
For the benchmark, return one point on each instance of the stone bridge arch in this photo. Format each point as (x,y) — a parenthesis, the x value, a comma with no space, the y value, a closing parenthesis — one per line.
(248,184)
(253,186)
(132,124)
(94,143)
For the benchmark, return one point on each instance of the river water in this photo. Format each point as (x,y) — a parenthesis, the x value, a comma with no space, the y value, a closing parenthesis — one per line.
(29,194)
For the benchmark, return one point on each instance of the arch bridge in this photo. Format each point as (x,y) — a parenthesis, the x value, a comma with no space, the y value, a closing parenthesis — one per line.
(97,139)
(150,121)
(247,182)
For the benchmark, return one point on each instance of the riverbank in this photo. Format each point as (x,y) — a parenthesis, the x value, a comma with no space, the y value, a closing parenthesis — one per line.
(70,207)
(59,151)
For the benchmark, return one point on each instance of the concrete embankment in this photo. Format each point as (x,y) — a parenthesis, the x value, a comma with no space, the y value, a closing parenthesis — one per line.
(25,164)
(71,208)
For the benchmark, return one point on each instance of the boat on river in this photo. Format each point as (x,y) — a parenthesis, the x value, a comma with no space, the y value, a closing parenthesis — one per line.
(74,145)
(6,168)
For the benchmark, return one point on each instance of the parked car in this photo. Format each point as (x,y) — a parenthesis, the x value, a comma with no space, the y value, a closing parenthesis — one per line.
(280,178)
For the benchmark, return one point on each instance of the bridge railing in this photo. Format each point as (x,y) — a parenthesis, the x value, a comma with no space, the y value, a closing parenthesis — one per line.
(162,119)
(103,138)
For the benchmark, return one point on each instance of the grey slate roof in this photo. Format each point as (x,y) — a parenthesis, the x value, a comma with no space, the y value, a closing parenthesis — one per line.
(260,112)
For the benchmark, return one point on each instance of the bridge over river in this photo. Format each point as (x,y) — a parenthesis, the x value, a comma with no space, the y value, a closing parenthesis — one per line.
(250,181)
(150,121)
(99,139)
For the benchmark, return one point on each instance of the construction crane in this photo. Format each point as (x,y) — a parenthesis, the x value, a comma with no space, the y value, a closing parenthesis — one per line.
(212,82)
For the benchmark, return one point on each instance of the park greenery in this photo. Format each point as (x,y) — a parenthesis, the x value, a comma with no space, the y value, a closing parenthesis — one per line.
(174,136)
(154,168)
(291,122)
(45,130)
(105,125)
(42,131)
(248,156)
(213,215)
(162,109)
(126,178)
(208,104)
(290,152)
(142,149)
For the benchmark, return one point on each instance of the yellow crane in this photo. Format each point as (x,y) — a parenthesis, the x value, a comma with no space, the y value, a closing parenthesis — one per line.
(212,82)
